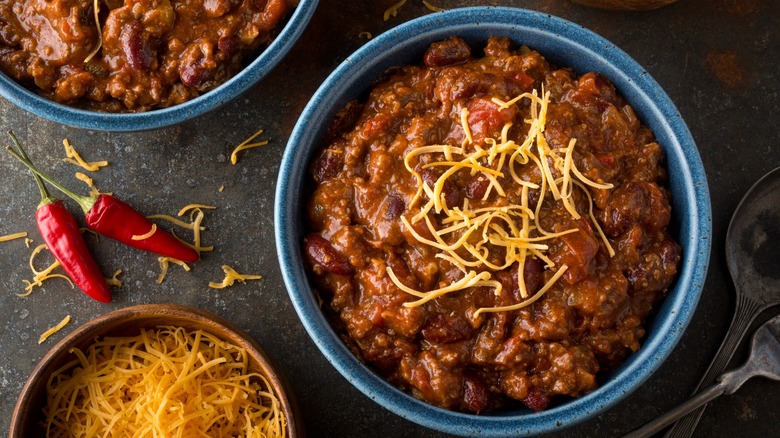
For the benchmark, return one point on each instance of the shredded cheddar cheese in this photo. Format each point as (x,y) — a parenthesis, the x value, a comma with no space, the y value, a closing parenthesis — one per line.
(28,242)
(231,276)
(165,262)
(432,7)
(247,144)
(173,220)
(40,276)
(189,207)
(73,157)
(392,11)
(9,237)
(163,382)
(96,9)
(47,334)
(114,280)
(89,182)
(146,235)
(366,35)
(480,241)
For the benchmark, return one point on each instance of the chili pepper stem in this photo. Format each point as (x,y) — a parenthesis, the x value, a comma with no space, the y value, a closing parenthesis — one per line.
(46,198)
(85,202)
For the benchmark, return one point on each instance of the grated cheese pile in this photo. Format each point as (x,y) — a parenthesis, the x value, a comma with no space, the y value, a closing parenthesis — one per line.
(167,382)
(469,237)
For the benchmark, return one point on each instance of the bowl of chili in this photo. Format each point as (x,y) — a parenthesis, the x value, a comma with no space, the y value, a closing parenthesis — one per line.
(183,60)
(149,344)
(312,233)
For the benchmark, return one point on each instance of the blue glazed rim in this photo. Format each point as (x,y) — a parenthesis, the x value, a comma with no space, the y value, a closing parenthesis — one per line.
(563,43)
(148,120)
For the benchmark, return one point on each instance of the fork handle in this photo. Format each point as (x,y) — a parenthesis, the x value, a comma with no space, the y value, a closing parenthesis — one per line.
(670,417)
(746,311)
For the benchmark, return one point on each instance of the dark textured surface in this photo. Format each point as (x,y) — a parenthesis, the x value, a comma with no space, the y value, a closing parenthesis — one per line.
(717,60)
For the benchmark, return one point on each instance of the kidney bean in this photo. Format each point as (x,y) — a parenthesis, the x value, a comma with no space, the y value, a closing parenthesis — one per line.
(394,206)
(450,191)
(670,253)
(533,274)
(442,329)
(477,186)
(193,74)
(135,49)
(476,395)
(228,46)
(322,253)
(537,400)
(450,51)
(624,208)
(327,165)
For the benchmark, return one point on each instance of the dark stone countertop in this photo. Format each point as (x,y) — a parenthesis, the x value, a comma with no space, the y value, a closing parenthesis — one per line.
(717,59)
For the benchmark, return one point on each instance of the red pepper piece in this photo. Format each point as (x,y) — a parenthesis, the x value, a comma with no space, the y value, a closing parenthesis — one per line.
(61,234)
(117,220)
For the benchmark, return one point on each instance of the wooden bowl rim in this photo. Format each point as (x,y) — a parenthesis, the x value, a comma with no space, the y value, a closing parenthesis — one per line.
(29,399)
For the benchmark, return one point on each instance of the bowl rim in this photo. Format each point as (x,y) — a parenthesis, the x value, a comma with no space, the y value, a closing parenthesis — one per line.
(113,321)
(234,87)
(692,196)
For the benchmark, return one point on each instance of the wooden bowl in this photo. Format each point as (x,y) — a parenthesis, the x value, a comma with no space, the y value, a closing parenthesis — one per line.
(28,413)
(626,5)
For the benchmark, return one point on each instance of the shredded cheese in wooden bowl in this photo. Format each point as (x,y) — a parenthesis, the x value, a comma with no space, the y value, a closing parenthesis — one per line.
(155,370)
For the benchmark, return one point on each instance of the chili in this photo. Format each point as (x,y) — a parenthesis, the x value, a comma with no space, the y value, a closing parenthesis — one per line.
(119,221)
(61,234)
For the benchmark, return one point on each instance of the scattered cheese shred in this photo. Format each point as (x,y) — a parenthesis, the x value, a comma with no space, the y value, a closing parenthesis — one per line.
(366,35)
(432,7)
(173,220)
(88,181)
(189,207)
(114,280)
(28,242)
(163,382)
(73,157)
(13,236)
(146,235)
(247,144)
(392,11)
(47,334)
(485,240)
(165,262)
(231,276)
(40,276)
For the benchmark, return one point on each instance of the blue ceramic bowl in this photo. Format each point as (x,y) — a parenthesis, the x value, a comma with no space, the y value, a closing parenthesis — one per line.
(564,44)
(237,85)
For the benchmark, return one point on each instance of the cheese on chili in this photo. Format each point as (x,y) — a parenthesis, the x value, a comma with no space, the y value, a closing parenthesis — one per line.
(466,236)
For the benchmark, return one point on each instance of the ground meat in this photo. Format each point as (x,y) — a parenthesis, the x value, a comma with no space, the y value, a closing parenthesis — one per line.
(154,53)
(586,323)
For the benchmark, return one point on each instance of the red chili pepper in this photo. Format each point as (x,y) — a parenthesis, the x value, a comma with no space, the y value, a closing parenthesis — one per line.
(115,219)
(61,234)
